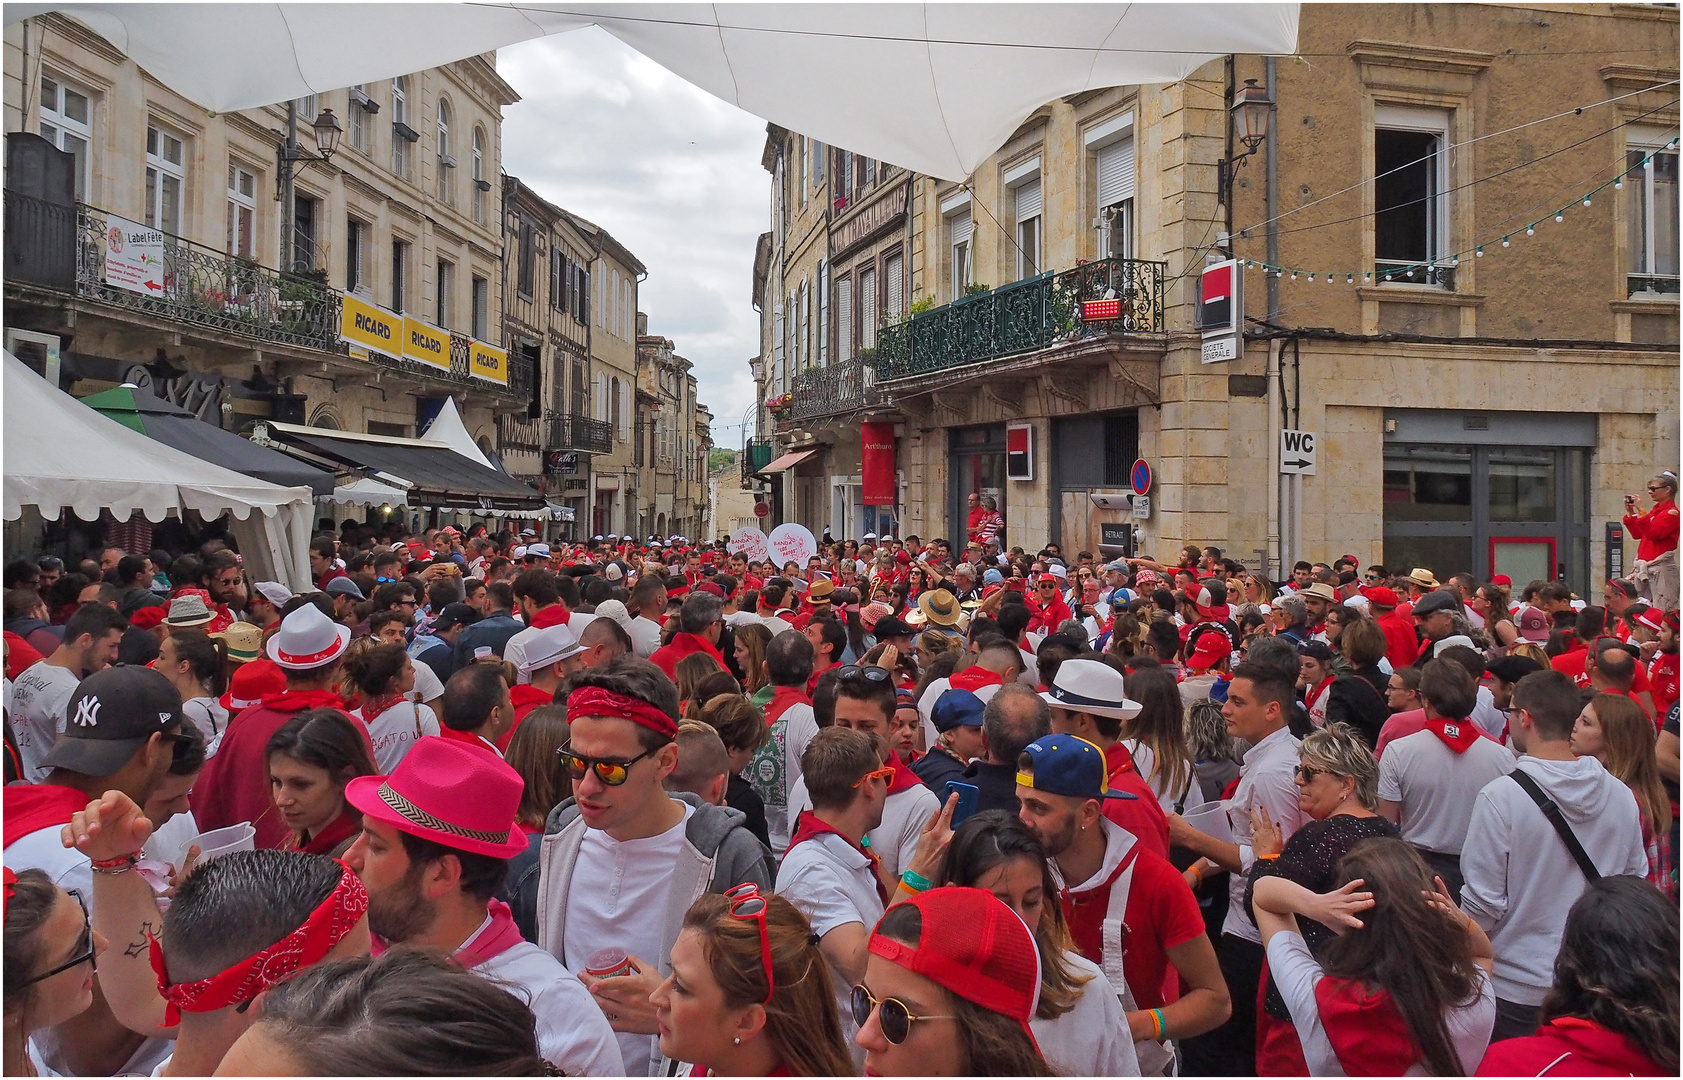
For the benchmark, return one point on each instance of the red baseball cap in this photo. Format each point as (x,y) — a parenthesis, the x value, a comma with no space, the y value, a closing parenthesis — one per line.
(1213,647)
(975,947)
(1044,578)
(1381,596)
(1502,579)
(447,792)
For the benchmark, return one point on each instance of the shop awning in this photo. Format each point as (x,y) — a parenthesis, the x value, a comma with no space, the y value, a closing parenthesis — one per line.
(432,473)
(787,461)
(170,424)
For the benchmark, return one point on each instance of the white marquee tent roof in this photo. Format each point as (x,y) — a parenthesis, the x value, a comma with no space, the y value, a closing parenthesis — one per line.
(447,428)
(935,88)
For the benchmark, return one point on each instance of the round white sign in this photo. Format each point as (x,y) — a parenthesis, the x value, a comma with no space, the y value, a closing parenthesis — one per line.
(791,543)
(748,541)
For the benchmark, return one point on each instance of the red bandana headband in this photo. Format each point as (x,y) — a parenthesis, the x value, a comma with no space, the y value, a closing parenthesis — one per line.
(326,927)
(595,701)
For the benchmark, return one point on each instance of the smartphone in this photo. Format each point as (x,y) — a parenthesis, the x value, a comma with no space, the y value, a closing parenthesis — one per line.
(967,796)
(1015,584)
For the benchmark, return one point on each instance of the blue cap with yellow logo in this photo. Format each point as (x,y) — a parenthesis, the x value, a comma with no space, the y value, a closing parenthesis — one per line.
(1066,765)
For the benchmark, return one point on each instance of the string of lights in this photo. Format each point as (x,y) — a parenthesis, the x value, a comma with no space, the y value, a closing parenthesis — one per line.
(1425,269)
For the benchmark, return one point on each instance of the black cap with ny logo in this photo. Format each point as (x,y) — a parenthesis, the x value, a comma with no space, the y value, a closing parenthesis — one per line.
(110,715)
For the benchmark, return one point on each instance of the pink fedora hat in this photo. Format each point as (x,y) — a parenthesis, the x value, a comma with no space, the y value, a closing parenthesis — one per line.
(447,792)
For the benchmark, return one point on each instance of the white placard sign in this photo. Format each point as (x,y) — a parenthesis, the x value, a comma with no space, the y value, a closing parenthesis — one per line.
(748,541)
(790,542)
(134,257)
(1297,452)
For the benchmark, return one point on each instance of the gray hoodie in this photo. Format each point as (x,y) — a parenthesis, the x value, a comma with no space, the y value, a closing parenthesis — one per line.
(719,854)
(1520,878)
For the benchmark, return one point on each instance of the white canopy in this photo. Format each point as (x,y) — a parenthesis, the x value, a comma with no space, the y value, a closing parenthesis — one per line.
(935,88)
(59,454)
(447,428)
(368,492)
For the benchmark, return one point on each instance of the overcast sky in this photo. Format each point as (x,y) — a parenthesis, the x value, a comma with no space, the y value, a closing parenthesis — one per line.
(672,172)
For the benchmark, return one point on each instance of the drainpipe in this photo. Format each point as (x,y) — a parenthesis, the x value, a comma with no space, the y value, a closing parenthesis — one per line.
(1276,554)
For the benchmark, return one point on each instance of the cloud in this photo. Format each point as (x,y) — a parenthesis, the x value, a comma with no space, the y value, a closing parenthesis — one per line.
(673,172)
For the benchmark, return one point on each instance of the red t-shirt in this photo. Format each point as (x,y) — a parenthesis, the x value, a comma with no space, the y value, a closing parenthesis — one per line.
(1576,664)
(1142,815)
(1161,914)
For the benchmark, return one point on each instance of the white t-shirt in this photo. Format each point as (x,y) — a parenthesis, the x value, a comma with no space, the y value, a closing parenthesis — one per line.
(1437,787)
(833,885)
(573,1034)
(645,636)
(1296,973)
(40,695)
(162,852)
(396,731)
(624,906)
(894,842)
(776,625)
(1145,759)
(1091,1039)
(428,686)
(1266,779)
(208,716)
(740,618)
(776,773)
(44,850)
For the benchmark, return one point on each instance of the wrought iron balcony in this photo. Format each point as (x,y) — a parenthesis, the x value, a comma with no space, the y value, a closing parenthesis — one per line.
(580,434)
(756,455)
(1024,316)
(1391,270)
(829,391)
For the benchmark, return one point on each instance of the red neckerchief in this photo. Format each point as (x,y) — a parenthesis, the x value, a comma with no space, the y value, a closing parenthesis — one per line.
(974,678)
(491,942)
(554,615)
(333,834)
(808,826)
(1367,1033)
(782,697)
(701,645)
(1456,734)
(904,778)
(525,696)
(1313,695)
(32,807)
(299,700)
(372,708)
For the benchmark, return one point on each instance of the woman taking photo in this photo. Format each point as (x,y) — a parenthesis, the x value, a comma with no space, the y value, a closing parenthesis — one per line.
(311,759)
(951,983)
(197,666)
(383,677)
(49,968)
(749,993)
(1613,1008)
(1156,738)
(1079,1021)
(1403,986)
(1614,730)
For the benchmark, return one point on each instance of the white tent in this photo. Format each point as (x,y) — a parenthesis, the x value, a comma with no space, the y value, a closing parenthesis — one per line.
(447,428)
(368,492)
(934,88)
(61,454)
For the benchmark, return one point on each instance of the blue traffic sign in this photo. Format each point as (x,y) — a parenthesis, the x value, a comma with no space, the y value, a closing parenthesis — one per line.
(1140,477)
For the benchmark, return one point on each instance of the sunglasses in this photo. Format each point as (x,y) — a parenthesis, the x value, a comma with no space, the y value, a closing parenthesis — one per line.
(84,946)
(747,903)
(894,1018)
(610,772)
(867,672)
(884,773)
(1307,774)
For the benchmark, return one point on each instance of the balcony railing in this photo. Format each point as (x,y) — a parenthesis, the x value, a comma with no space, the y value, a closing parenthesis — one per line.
(756,455)
(580,433)
(840,388)
(1393,270)
(1024,316)
(63,248)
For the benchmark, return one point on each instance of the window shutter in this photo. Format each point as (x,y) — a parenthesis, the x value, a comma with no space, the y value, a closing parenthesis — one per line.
(1028,200)
(1116,172)
(961,227)
(896,286)
(844,319)
(868,309)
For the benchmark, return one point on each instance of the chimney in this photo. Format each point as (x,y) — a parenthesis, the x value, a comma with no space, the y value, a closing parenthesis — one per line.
(642,323)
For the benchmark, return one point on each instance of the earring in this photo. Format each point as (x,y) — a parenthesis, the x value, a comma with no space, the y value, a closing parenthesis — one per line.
(736,1041)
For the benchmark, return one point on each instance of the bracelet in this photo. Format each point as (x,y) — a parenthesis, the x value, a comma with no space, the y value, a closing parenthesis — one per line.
(916,881)
(119,865)
(1158,1026)
(1276,855)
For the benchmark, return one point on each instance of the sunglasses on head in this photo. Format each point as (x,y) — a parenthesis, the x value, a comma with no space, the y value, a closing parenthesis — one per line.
(747,903)
(84,952)
(610,771)
(868,672)
(892,1015)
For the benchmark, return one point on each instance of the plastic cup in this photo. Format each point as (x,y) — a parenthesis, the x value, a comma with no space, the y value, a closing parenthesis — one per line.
(217,842)
(608,963)
(1211,819)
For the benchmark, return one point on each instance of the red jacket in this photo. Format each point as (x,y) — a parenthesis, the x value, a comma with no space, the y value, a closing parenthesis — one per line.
(1656,530)
(1568,1046)
(1142,815)
(1049,617)
(1402,644)
(667,656)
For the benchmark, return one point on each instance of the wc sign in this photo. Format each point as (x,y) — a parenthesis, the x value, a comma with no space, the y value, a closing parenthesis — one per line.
(1297,452)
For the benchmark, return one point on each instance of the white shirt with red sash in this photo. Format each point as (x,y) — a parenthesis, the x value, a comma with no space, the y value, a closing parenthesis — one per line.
(1315,700)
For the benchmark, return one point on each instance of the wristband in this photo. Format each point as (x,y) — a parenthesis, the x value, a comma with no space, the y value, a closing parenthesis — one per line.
(120,864)
(1197,869)
(1275,855)
(916,881)
(1158,1024)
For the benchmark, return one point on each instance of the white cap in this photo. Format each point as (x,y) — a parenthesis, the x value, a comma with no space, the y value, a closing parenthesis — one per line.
(1057,570)
(548,645)
(274,592)
(538,549)
(516,551)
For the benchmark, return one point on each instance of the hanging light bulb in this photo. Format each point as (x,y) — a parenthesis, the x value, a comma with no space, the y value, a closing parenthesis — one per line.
(1586,200)
(1619,184)
(1455,260)
(1531,230)
(1478,253)
(1294,275)
(1349,279)
(1366,277)
(1560,216)
(1504,241)
(1311,275)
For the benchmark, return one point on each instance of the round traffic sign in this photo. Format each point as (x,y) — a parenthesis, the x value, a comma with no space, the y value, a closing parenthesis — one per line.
(1140,477)
(762,509)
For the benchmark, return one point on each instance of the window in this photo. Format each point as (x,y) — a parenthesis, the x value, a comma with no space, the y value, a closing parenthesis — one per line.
(844,319)
(1411,215)
(1650,195)
(400,276)
(868,309)
(527,269)
(1112,144)
(441,295)
(870,171)
(958,232)
(358,117)
(614,417)
(1027,197)
(356,255)
(67,123)
(304,214)
(166,178)
(800,188)
(307,109)
(242,212)
(557,279)
(400,126)
(894,269)
(446,163)
(482,309)
(581,294)
(479,175)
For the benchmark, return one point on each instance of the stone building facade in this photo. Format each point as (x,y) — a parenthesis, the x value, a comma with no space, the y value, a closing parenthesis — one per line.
(676,429)
(1486,416)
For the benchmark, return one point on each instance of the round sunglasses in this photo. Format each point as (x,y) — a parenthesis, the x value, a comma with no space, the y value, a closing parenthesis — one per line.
(894,1018)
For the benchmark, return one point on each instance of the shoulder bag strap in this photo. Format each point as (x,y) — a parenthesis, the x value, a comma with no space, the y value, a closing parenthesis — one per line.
(1552,811)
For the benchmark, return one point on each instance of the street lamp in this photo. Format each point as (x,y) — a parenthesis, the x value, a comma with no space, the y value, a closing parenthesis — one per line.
(292,159)
(1252,109)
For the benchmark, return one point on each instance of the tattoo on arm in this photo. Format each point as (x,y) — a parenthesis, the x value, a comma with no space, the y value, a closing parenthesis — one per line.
(139,945)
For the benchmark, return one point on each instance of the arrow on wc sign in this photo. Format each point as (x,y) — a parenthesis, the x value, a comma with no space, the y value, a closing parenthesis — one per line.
(1297,452)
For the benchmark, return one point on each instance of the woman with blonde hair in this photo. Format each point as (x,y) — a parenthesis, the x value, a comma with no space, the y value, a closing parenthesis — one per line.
(1614,730)
(1156,737)
(749,993)
(690,671)
(751,642)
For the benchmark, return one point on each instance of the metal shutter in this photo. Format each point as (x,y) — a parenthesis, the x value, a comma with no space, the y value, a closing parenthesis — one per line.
(896,286)
(1028,200)
(844,319)
(1116,172)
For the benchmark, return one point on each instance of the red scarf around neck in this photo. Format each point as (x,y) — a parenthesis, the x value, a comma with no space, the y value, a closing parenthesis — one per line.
(554,615)
(372,708)
(1456,734)
(904,778)
(299,700)
(782,699)
(32,807)
(808,827)
(1313,694)
(331,835)
(1368,1035)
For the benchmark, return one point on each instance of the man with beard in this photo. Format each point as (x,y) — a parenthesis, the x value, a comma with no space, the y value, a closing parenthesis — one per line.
(225,581)
(437,835)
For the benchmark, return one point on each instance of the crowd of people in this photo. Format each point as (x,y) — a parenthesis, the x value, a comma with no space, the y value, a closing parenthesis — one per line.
(478,804)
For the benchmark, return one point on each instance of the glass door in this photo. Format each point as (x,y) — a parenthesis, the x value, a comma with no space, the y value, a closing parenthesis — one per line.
(976,463)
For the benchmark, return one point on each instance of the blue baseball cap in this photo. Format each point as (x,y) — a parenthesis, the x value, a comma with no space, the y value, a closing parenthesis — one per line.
(1067,765)
(957,708)
(993,577)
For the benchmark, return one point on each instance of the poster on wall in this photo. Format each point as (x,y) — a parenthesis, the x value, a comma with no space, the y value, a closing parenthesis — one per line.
(1019,452)
(876,449)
